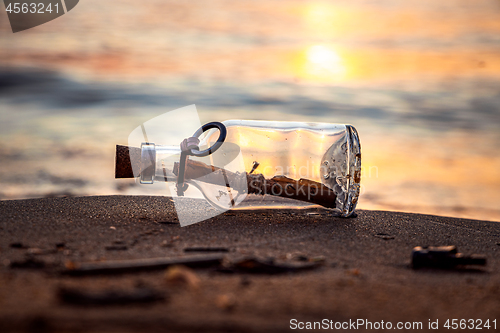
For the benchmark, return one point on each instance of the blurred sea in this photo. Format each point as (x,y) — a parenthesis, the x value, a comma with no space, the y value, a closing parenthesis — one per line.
(420,80)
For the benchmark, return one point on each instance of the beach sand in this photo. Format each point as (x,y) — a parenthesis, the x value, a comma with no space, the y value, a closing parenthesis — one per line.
(366,272)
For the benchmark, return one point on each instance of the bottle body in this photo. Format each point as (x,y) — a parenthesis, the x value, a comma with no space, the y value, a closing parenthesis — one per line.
(326,154)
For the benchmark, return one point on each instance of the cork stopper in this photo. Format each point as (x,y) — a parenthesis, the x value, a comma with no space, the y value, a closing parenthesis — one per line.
(128,159)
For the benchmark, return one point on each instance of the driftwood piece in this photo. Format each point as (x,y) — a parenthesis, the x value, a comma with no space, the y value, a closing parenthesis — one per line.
(139,265)
(302,189)
(266,267)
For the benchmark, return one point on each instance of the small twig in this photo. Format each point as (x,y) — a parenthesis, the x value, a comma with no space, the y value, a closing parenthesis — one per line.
(139,265)
(254,166)
(206,249)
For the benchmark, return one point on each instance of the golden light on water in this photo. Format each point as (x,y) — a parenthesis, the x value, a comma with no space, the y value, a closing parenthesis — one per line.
(324,63)
(322,18)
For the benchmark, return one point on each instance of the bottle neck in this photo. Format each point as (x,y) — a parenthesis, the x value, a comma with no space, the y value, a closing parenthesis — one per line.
(157,161)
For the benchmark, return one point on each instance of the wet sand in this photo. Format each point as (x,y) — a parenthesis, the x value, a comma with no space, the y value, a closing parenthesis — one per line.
(365,275)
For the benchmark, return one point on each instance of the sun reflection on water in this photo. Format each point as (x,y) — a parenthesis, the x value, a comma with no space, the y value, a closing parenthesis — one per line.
(324,63)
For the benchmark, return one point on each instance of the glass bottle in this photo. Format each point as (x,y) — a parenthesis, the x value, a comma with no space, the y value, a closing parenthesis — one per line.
(261,164)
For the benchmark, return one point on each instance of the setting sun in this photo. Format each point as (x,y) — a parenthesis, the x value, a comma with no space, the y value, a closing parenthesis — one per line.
(324,62)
